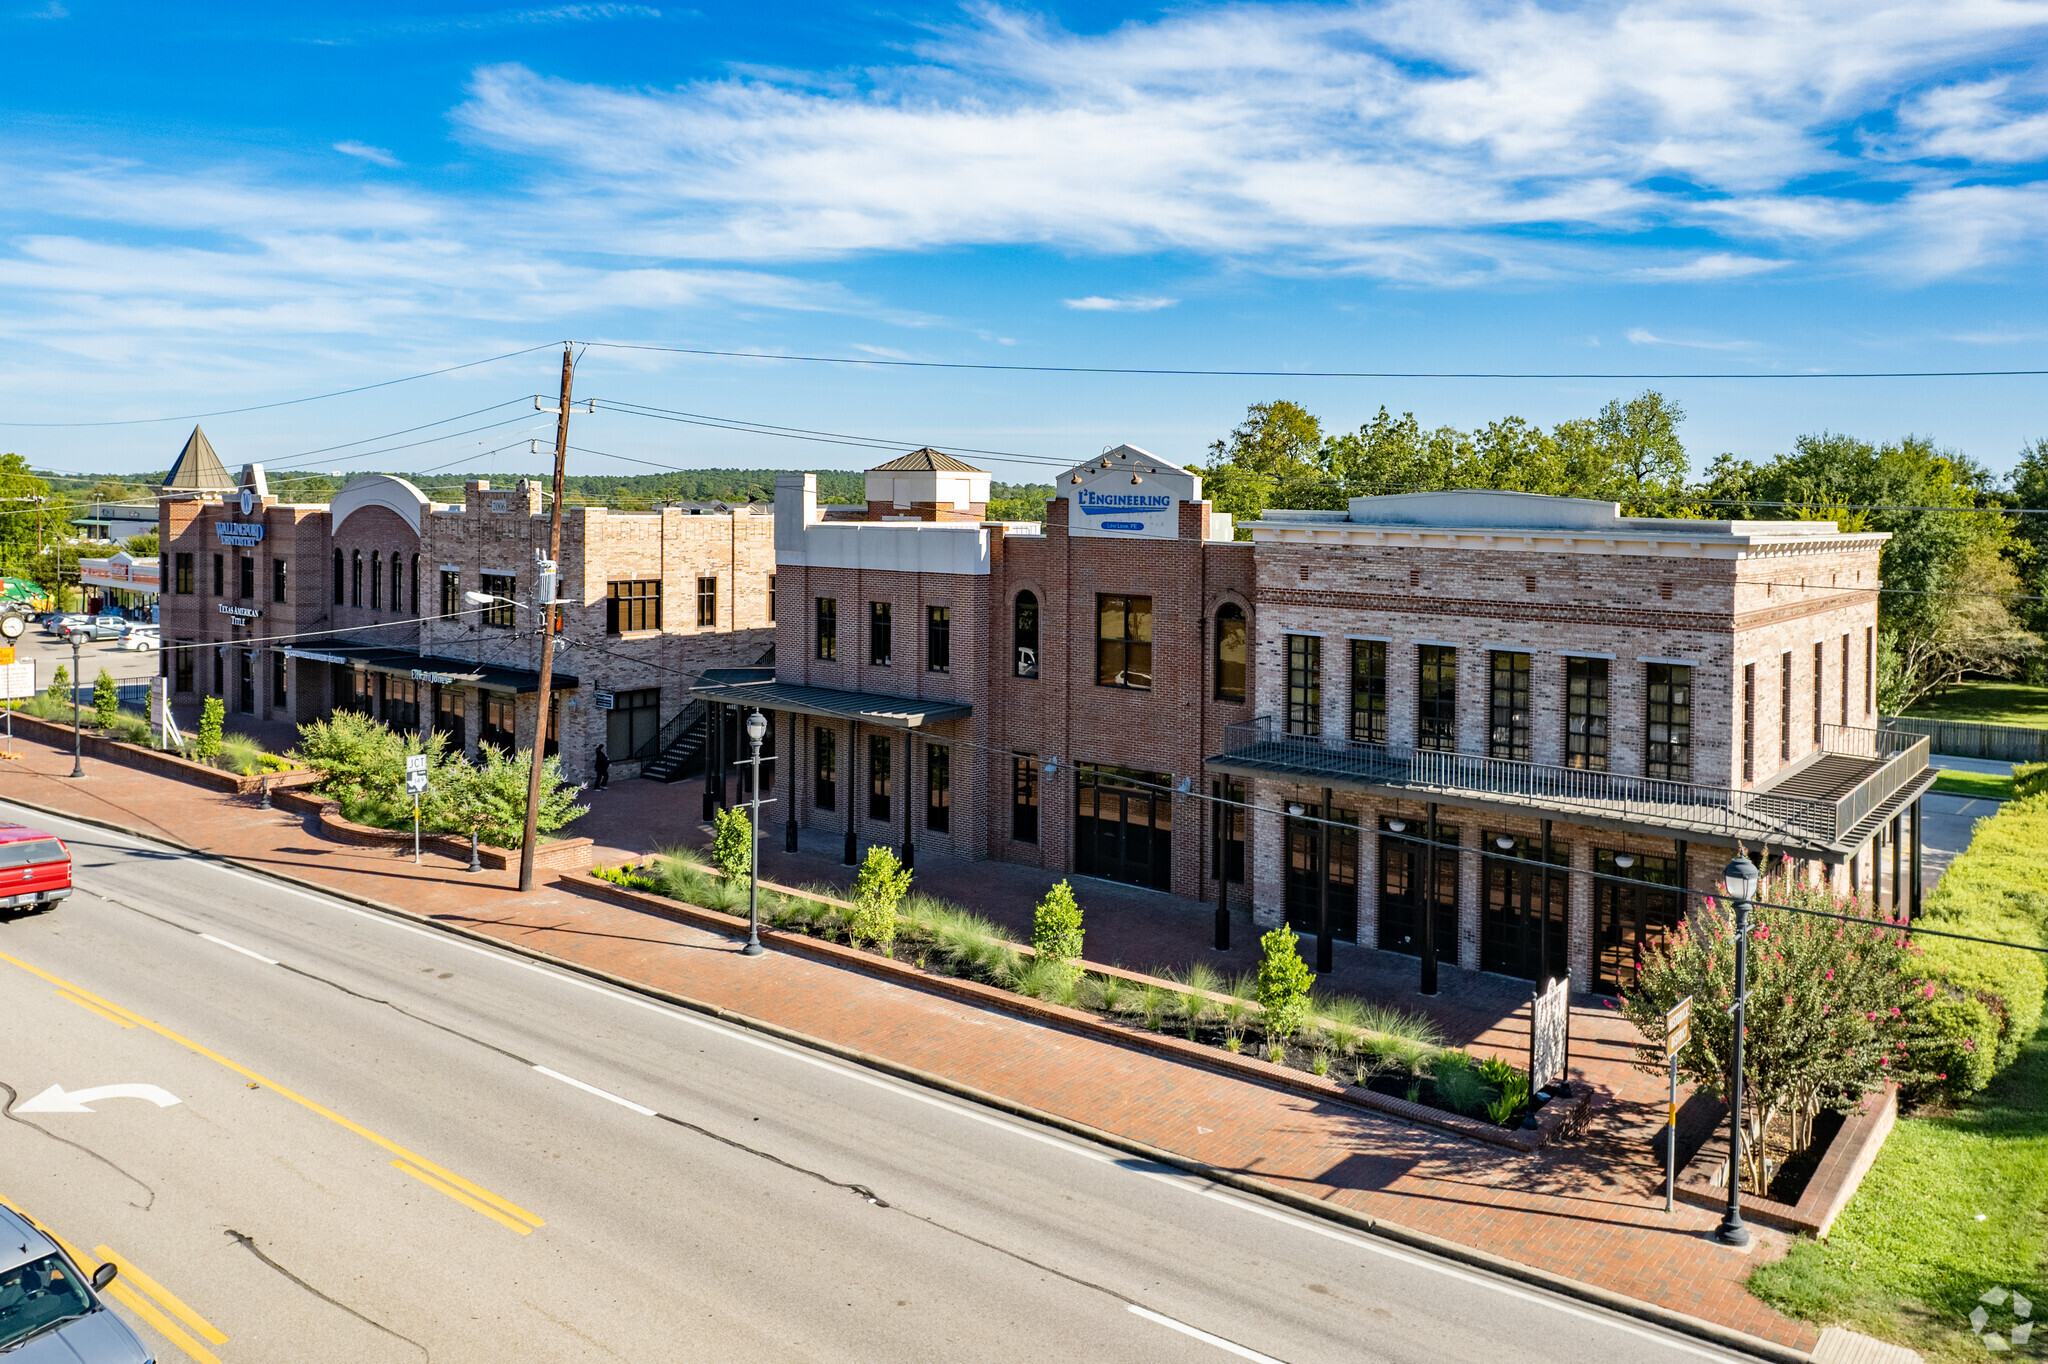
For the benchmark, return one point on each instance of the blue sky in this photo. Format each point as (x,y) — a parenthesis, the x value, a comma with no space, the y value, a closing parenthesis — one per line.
(210,207)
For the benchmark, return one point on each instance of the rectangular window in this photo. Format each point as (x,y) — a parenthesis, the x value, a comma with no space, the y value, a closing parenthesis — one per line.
(1368,691)
(879,627)
(1669,713)
(1123,642)
(825,752)
(355,577)
(1749,722)
(278,670)
(1230,653)
(451,593)
(771,598)
(633,722)
(501,587)
(278,580)
(878,777)
(412,587)
(1024,636)
(1509,735)
(1785,707)
(181,667)
(337,578)
(1304,684)
(1585,709)
(1023,798)
(707,601)
(1820,667)
(1226,848)
(828,628)
(183,580)
(938,787)
(1845,681)
(1436,697)
(938,639)
(632,606)
(397,581)
(219,576)
(376,581)
(245,577)
(1869,669)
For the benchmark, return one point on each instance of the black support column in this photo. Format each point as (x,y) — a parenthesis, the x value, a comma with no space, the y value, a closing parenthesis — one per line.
(1428,903)
(1325,944)
(909,856)
(853,767)
(713,734)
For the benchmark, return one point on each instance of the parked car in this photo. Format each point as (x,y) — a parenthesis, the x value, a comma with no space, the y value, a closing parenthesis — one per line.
(57,622)
(96,627)
(35,868)
(141,635)
(50,1310)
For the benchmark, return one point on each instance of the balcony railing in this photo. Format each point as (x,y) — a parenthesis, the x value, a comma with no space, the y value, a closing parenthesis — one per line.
(1262,744)
(1904,756)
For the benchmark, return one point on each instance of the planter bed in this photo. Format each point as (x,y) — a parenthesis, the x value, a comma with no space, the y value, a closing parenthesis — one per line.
(555,854)
(1563,1113)
(1836,1168)
(58,735)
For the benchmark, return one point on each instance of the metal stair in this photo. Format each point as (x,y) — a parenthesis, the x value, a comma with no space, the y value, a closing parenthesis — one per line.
(682,756)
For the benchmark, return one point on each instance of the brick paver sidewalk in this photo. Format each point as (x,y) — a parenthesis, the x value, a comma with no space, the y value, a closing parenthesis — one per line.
(1591,1211)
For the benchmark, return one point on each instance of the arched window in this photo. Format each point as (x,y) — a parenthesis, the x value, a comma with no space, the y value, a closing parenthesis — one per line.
(1025,636)
(337,577)
(397,582)
(1230,652)
(376,580)
(415,584)
(355,577)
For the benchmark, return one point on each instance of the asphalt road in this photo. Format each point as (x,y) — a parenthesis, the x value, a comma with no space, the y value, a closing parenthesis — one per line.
(392,1145)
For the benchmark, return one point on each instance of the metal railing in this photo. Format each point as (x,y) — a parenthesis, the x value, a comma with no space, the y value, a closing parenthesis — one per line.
(1734,813)
(677,725)
(1905,756)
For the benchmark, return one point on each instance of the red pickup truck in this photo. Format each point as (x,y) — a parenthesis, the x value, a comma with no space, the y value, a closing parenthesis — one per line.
(35,867)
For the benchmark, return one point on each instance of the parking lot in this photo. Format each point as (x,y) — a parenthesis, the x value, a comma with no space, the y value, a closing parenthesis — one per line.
(46,651)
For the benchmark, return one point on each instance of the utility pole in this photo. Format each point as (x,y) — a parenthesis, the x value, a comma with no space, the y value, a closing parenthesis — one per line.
(528,846)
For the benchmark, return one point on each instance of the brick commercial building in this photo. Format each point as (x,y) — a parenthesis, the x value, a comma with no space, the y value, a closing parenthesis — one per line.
(289,612)
(1560,689)
(1033,693)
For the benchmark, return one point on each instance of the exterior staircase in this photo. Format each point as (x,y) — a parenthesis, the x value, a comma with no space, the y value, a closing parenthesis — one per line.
(679,750)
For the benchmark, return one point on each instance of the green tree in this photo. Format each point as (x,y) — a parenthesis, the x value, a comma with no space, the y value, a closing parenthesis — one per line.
(207,745)
(2028,548)
(1284,982)
(21,493)
(106,700)
(1273,459)
(143,546)
(877,889)
(732,842)
(1646,461)
(1056,925)
(490,797)
(60,684)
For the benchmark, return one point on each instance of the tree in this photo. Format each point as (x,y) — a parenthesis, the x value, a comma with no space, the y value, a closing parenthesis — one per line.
(1273,459)
(60,684)
(1056,925)
(877,888)
(1284,981)
(106,700)
(143,546)
(732,842)
(21,493)
(2028,549)
(1972,631)
(489,798)
(207,745)
(1646,461)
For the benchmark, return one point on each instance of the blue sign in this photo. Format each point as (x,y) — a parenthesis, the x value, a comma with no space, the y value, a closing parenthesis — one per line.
(1123,525)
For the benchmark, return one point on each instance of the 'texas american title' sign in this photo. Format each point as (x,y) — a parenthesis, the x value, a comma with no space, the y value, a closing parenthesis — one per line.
(1136,495)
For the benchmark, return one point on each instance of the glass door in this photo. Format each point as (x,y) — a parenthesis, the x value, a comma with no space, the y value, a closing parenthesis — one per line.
(1628,917)
(1522,926)
(1401,874)
(1307,875)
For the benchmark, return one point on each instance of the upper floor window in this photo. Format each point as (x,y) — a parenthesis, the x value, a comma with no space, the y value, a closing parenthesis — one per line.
(376,580)
(412,594)
(632,605)
(245,579)
(1230,652)
(1436,697)
(1024,636)
(828,628)
(1585,710)
(355,577)
(183,572)
(1123,642)
(1304,684)
(278,571)
(938,639)
(500,613)
(220,584)
(397,581)
(1509,735)
(1669,714)
(771,598)
(707,601)
(879,627)
(1368,691)
(451,593)
(337,577)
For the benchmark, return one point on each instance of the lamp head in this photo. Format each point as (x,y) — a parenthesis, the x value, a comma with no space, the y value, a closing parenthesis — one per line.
(1624,860)
(1396,825)
(478,598)
(757,726)
(1503,842)
(1294,810)
(1740,878)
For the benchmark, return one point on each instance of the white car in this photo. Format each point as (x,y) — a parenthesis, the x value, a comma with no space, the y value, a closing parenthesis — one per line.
(145,637)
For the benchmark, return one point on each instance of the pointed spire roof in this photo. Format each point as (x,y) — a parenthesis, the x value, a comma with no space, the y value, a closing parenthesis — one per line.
(926,460)
(199,469)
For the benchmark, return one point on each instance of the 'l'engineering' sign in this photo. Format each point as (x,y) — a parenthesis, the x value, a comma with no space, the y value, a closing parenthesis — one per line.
(1108,504)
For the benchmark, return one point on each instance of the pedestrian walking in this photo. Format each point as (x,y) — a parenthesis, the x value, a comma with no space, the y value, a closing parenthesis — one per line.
(604,768)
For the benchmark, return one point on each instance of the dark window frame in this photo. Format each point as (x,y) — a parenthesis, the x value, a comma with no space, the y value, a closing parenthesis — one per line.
(1509,733)
(1024,632)
(826,617)
(1669,758)
(338,583)
(451,593)
(707,603)
(881,774)
(938,639)
(500,614)
(355,578)
(1304,695)
(938,787)
(631,605)
(245,576)
(220,575)
(1820,687)
(1436,697)
(280,581)
(1785,707)
(881,633)
(1127,655)
(1369,691)
(824,768)
(376,580)
(1023,798)
(771,598)
(1587,710)
(1749,722)
(182,582)
(1232,654)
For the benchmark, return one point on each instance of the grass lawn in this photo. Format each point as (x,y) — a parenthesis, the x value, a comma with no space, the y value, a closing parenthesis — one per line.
(1908,1257)
(1990,784)
(1988,703)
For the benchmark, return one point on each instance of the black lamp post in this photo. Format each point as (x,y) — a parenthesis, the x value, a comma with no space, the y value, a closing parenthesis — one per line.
(1740,878)
(757,728)
(77,743)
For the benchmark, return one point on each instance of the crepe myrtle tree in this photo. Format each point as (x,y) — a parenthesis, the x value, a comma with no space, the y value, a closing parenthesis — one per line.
(1834,1009)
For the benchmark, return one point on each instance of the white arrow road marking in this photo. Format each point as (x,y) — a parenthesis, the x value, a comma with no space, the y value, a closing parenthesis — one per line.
(55,1100)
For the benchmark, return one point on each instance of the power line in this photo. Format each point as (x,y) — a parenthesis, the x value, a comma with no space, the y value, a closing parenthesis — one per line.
(1301,374)
(292,402)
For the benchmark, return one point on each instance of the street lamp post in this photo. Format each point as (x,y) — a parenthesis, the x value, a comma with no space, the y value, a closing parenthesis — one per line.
(757,728)
(1740,878)
(77,743)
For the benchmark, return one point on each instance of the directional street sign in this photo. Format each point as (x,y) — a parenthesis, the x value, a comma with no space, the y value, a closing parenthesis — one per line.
(55,1100)
(415,774)
(1678,1026)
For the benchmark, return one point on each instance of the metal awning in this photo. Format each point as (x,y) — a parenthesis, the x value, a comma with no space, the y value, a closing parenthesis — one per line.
(382,658)
(756,688)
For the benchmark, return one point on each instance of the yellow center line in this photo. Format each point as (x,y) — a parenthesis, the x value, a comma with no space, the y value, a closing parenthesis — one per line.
(461,1197)
(126,1296)
(130,1274)
(475,1191)
(87,1004)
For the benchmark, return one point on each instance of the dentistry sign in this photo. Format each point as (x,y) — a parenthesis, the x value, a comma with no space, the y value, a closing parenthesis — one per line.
(1127,493)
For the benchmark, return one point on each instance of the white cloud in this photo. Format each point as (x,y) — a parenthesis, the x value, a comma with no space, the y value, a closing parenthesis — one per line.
(1096,303)
(1642,336)
(366,152)
(1714,265)
(53,10)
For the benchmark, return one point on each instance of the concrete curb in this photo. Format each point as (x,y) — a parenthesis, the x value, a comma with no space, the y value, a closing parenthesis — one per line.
(1696,1327)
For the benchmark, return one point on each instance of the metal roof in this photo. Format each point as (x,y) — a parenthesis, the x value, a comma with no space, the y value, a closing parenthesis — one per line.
(926,460)
(385,659)
(199,469)
(758,688)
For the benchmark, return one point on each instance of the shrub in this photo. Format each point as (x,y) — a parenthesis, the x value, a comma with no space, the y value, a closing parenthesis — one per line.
(2029,779)
(1284,981)
(489,798)
(352,753)
(106,700)
(1056,925)
(1997,888)
(60,684)
(732,842)
(876,890)
(206,747)
(1459,1084)
(131,728)
(240,755)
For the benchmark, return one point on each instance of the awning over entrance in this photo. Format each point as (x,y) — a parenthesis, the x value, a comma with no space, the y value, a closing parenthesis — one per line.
(757,687)
(383,658)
